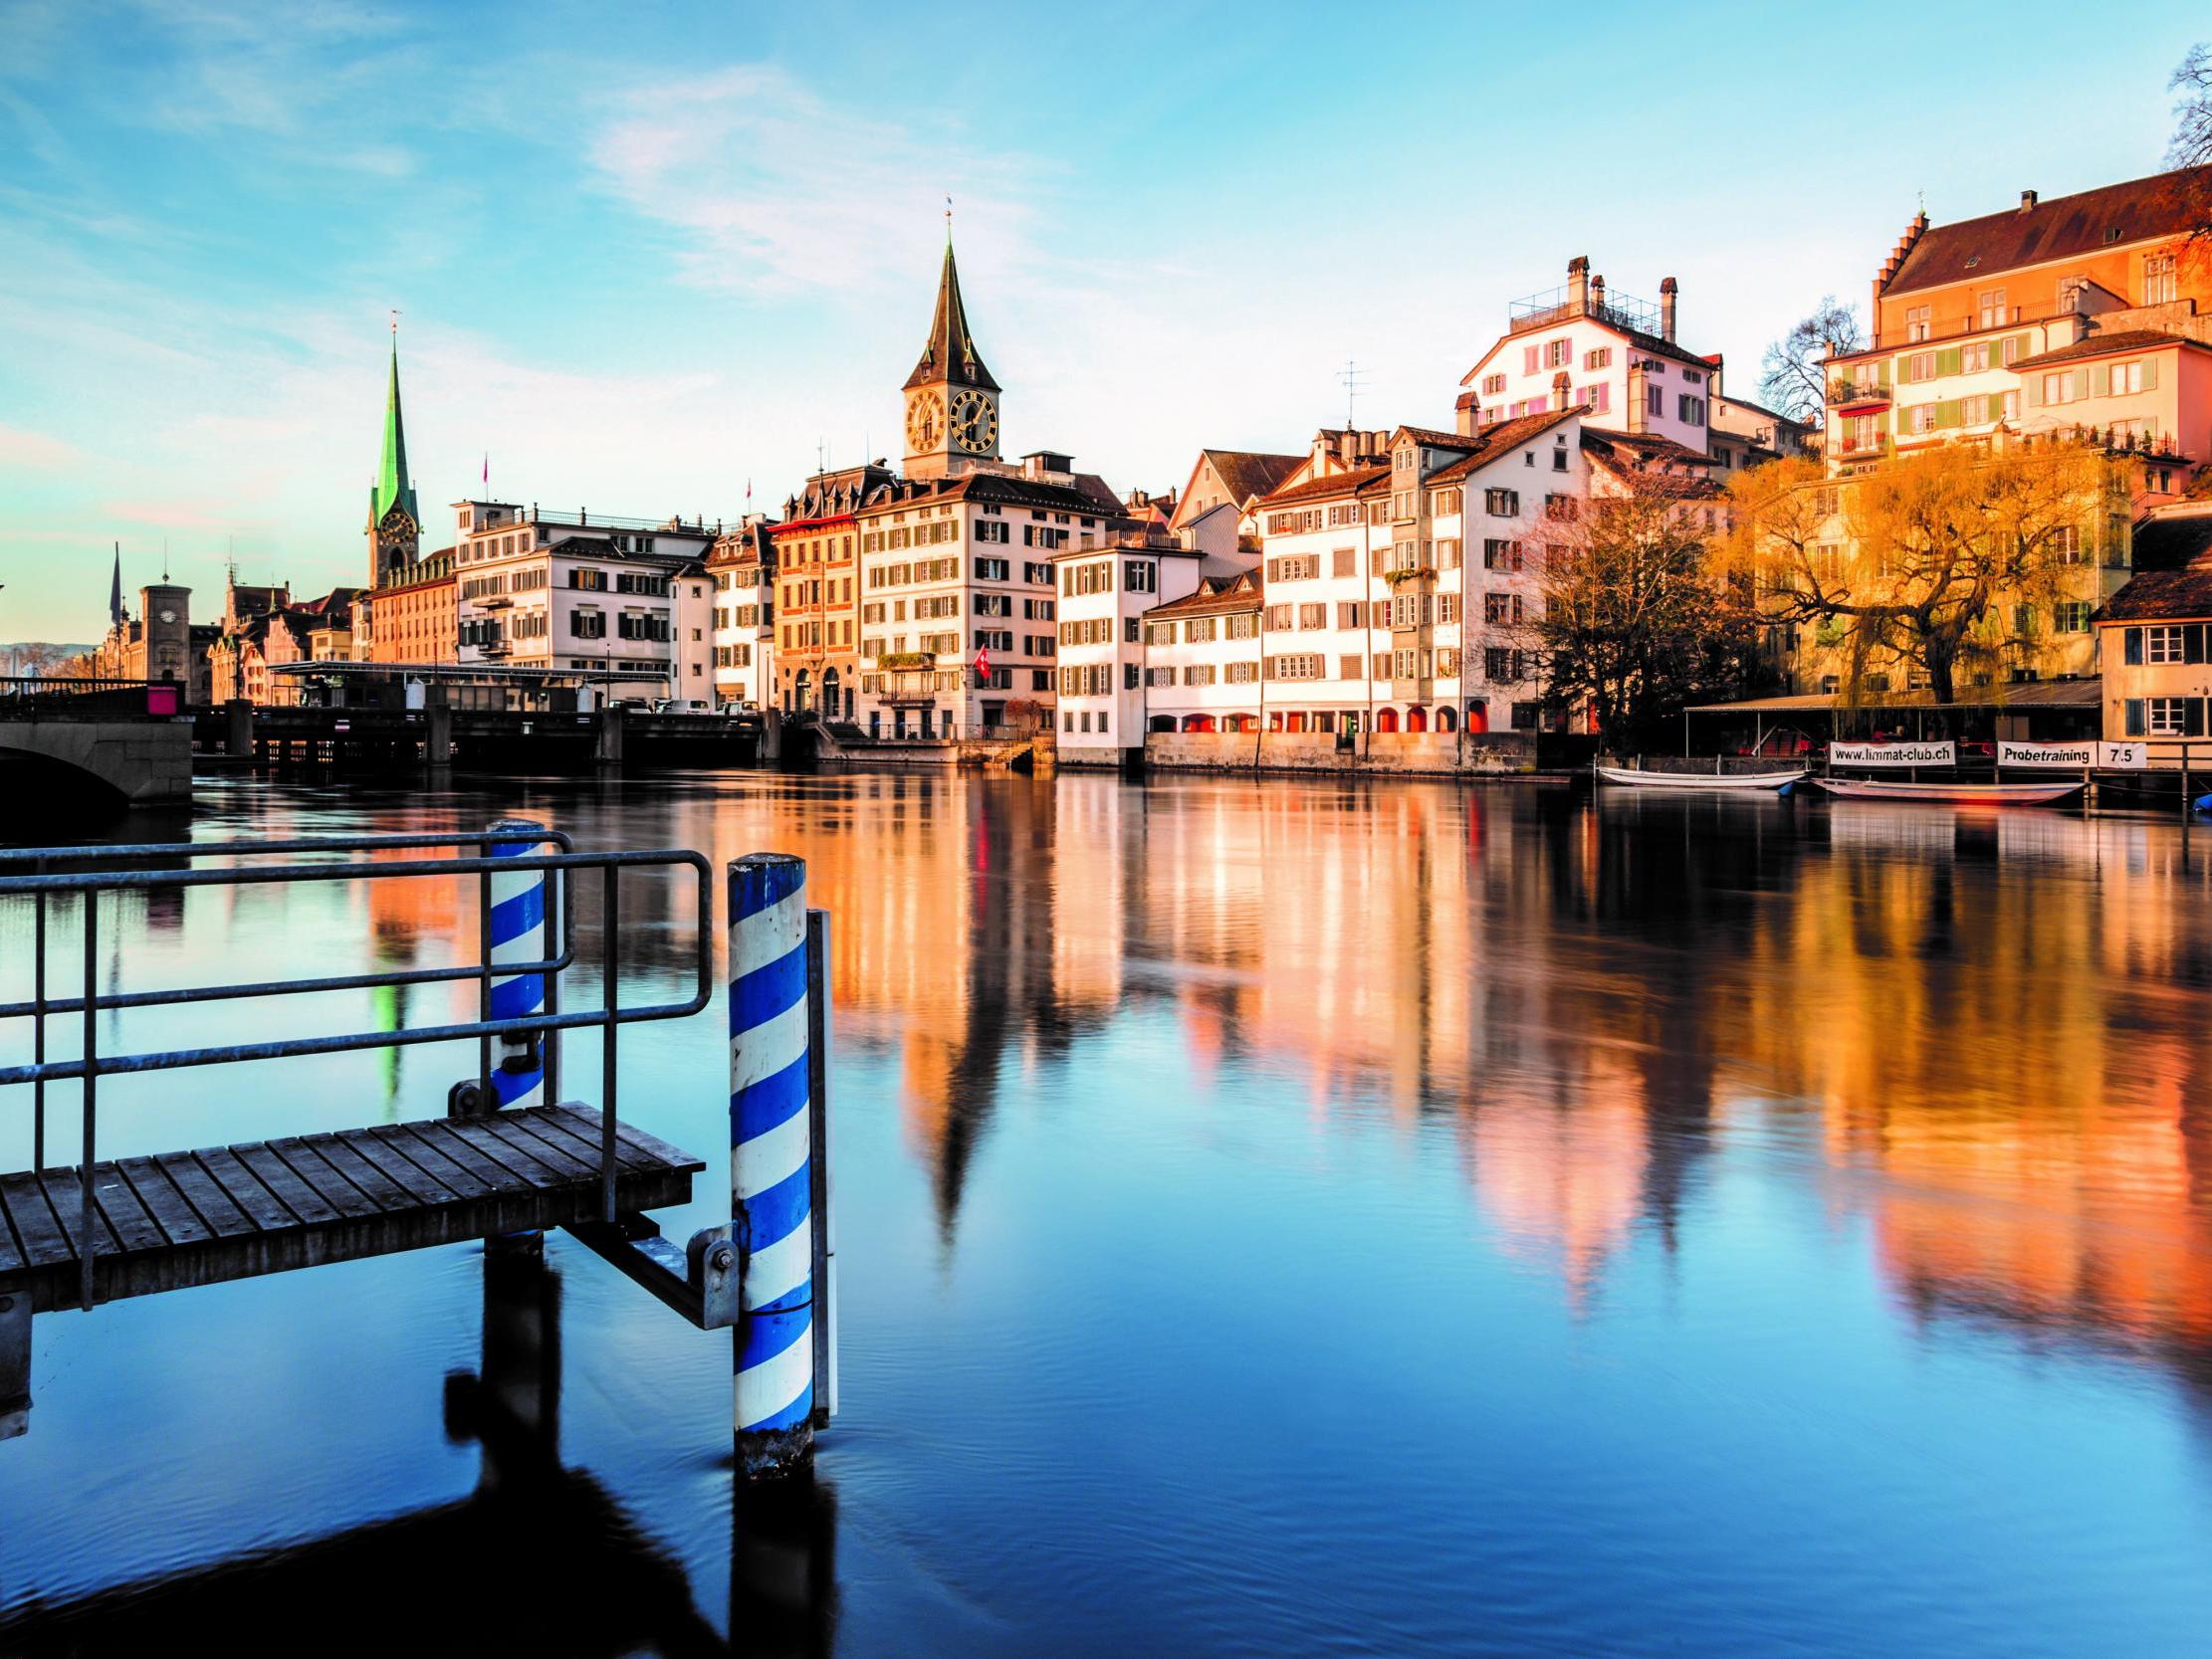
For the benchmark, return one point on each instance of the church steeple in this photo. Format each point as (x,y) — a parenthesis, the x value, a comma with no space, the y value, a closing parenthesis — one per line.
(395,522)
(950,357)
(392,486)
(952,402)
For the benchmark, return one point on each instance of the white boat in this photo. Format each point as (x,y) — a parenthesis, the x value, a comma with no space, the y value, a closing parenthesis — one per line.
(1731,781)
(1958,794)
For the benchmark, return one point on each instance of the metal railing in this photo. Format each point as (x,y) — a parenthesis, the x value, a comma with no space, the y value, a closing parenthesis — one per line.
(44,884)
(87,695)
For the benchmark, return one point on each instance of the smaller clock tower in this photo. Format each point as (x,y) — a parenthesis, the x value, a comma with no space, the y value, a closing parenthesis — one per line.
(952,402)
(395,522)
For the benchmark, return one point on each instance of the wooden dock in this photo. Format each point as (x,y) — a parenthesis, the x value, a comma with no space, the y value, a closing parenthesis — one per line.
(201,1218)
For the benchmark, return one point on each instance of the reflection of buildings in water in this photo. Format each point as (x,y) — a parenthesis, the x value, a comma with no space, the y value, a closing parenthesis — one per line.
(1998,1020)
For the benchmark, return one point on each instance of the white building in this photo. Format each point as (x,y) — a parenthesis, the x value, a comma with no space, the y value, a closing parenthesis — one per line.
(959,604)
(742,566)
(1612,357)
(1203,659)
(1105,590)
(692,633)
(536,590)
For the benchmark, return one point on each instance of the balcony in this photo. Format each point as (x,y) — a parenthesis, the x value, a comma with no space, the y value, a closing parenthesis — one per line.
(1412,691)
(1864,449)
(1843,394)
(1560,305)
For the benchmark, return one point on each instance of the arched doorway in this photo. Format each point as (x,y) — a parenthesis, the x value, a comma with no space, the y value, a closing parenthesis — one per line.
(802,692)
(1386,719)
(1478,713)
(1446,719)
(1417,719)
(830,692)
(1163,722)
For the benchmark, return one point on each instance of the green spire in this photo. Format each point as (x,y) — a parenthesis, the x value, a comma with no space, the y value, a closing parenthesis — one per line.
(392,486)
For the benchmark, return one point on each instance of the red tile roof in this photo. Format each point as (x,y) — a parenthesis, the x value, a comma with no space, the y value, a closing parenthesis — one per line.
(1248,473)
(2113,215)
(1356,481)
(1216,595)
(2106,346)
(1496,440)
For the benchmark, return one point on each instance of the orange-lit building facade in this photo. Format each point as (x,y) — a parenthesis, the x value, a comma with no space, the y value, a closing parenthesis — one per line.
(817,585)
(417,619)
(2084,313)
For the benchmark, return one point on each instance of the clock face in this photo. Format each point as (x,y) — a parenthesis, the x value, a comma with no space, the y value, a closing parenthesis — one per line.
(168,616)
(975,423)
(925,423)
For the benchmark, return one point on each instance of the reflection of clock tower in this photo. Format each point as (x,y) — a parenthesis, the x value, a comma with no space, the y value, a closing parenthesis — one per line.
(394,524)
(952,402)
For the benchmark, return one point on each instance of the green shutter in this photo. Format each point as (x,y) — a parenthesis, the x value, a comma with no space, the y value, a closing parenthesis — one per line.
(2101,380)
(2031,387)
(1946,360)
(2134,716)
(2150,374)
(2081,383)
(1946,413)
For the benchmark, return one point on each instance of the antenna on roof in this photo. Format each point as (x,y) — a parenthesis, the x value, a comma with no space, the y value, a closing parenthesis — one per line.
(1353,380)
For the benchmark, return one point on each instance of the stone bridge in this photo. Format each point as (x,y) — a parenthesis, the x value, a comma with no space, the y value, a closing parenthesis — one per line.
(142,760)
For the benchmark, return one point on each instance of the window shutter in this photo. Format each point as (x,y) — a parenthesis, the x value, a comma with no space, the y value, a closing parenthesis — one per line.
(2101,379)
(1946,360)
(2132,649)
(2081,383)
(2134,713)
(2031,386)
(2192,643)
(1946,413)
(2192,719)
(2150,374)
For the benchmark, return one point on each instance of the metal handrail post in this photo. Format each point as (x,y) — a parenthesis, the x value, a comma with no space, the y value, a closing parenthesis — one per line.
(610,931)
(92,1083)
(37,1030)
(484,1099)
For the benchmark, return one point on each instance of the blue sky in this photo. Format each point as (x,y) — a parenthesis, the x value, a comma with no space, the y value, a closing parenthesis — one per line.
(644,252)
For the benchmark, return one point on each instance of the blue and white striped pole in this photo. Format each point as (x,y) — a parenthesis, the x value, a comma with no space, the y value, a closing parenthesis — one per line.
(518,935)
(771,1172)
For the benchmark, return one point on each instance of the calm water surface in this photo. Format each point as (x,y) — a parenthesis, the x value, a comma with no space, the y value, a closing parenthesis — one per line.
(1275,1218)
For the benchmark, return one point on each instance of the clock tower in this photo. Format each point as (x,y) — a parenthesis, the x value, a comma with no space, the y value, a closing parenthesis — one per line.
(952,402)
(395,522)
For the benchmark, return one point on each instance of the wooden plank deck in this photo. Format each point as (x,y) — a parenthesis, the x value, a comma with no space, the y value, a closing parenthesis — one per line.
(233,1212)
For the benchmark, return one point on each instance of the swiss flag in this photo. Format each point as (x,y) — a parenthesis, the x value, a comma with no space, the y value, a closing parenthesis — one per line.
(982,665)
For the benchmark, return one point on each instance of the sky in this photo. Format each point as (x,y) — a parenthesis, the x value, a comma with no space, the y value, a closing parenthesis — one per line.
(646,254)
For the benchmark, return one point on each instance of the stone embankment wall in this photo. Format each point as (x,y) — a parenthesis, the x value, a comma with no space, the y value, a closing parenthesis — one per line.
(1382,754)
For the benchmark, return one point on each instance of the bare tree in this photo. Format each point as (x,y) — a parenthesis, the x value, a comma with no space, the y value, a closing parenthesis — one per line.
(2191,150)
(1791,376)
(1636,617)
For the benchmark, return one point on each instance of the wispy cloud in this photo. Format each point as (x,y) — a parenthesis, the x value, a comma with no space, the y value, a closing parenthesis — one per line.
(772,188)
(19,448)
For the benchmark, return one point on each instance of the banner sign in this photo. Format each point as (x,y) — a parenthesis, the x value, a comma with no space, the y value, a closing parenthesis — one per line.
(1944,754)
(2123,757)
(2063,757)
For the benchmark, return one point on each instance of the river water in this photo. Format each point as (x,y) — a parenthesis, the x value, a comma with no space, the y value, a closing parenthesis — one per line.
(1274,1218)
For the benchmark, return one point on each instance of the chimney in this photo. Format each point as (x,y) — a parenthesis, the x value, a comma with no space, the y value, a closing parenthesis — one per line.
(2027,201)
(1597,294)
(1667,291)
(1562,391)
(1347,446)
(1578,285)
(1637,379)
(1469,415)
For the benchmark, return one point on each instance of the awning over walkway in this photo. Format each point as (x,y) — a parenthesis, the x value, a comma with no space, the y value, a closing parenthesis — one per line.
(2087,692)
